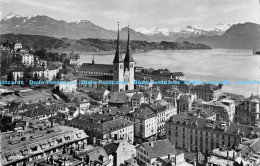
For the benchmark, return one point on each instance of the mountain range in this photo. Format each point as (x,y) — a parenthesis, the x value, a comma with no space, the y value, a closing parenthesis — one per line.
(189,31)
(241,36)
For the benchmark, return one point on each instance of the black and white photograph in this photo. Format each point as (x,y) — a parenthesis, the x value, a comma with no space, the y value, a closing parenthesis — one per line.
(130,82)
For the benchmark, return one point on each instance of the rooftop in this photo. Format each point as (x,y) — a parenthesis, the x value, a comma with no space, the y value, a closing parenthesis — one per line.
(216,126)
(104,68)
(159,148)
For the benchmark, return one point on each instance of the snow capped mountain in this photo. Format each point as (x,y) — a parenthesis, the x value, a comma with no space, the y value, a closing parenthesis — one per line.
(44,25)
(11,15)
(188,31)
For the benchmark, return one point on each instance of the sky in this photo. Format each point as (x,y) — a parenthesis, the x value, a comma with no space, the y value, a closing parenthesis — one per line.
(140,13)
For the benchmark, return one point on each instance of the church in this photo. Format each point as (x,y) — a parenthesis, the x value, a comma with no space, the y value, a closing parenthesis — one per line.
(122,70)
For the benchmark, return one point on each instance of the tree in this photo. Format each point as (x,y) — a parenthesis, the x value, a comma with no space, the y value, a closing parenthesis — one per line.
(58,77)
(35,77)
(10,76)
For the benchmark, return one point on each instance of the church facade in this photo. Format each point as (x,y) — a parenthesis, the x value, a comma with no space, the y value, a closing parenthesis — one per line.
(121,71)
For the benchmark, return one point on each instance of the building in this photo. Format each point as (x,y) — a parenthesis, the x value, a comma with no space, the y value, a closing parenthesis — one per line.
(153,94)
(148,152)
(145,121)
(225,109)
(68,86)
(118,100)
(27,58)
(102,128)
(93,156)
(82,103)
(47,72)
(119,151)
(144,85)
(184,102)
(171,108)
(17,46)
(207,92)
(37,111)
(246,153)
(247,112)
(122,70)
(18,73)
(37,142)
(205,135)
(137,99)
(178,76)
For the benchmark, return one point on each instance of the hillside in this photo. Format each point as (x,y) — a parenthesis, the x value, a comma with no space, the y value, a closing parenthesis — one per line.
(91,44)
(239,36)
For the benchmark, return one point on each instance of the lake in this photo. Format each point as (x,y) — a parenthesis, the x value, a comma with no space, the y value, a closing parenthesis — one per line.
(208,65)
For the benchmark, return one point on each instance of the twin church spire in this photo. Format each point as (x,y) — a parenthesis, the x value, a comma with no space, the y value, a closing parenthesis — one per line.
(118,57)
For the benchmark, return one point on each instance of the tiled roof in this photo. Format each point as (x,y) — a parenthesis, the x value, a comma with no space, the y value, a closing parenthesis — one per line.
(118,98)
(207,87)
(110,110)
(205,124)
(137,96)
(111,148)
(104,68)
(101,127)
(37,110)
(142,113)
(96,155)
(160,148)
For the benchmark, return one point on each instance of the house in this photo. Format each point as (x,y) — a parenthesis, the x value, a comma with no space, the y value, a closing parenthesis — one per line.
(137,100)
(118,100)
(68,86)
(145,121)
(102,128)
(207,92)
(205,135)
(153,95)
(247,111)
(119,151)
(94,156)
(184,102)
(148,152)
(82,103)
(247,153)
(39,142)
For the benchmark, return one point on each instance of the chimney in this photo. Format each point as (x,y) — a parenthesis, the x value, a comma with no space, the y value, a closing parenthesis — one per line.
(87,159)
(194,162)
(94,140)
(152,144)
(227,154)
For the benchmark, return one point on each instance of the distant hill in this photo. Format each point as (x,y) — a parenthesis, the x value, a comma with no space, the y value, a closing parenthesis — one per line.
(239,36)
(46,26)
(93,44)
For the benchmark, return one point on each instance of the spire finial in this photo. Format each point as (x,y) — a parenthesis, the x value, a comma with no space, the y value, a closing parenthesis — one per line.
(118,57)
(93,60)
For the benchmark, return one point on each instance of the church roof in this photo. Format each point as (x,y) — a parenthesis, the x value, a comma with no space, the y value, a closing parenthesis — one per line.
(128,55)
(96,68)
(118,57)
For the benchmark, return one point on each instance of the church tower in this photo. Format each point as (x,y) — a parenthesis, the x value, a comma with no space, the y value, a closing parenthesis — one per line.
(129,65)
(118,67)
